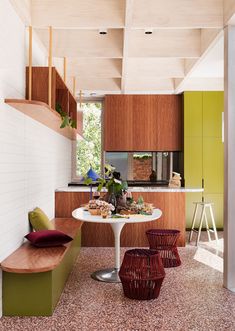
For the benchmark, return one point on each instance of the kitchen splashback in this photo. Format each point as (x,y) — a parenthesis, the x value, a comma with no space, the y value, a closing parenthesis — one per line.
(145,166)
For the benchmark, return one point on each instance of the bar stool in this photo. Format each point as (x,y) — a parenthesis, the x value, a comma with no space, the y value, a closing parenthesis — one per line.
(204,206)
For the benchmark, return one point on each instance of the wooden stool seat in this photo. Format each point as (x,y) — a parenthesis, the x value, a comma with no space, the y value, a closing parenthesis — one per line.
(204,207)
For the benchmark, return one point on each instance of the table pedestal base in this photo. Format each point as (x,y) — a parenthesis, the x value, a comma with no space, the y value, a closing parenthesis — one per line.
(107,275)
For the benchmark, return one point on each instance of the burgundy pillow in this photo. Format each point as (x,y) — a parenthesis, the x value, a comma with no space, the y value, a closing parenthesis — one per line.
(48,238)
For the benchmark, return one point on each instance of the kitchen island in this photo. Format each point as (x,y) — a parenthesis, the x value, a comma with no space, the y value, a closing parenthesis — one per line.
(170,200)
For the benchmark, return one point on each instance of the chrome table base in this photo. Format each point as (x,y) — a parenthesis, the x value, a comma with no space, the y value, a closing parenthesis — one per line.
(107,275)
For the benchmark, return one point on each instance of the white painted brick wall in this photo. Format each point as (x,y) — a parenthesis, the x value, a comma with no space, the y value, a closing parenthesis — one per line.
(34,160)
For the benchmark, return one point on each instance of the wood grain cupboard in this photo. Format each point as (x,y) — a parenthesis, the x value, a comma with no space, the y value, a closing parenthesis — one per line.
(172,205)
(143,123)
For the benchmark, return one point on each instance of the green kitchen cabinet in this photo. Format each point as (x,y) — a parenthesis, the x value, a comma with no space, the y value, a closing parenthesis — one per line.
(193,161)
(213,165)
(193,114)
(204,150)
(213,106)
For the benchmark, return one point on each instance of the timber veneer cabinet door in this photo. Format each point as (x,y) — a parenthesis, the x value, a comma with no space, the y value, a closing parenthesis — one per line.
(143,123)
(145,117)
(169,123)
(118,122)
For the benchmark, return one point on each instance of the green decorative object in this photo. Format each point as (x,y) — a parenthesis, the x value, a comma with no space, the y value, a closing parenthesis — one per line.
(112,181)
(39,220)
(66,119)
(140,200)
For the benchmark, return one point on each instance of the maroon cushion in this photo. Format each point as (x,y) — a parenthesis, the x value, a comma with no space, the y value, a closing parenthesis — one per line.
(48,238)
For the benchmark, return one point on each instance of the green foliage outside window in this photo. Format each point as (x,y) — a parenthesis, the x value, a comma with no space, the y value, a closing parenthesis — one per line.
(89,149)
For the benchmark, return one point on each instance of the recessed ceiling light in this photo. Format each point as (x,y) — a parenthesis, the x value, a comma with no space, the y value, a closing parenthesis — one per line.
(103,31)
(148,31)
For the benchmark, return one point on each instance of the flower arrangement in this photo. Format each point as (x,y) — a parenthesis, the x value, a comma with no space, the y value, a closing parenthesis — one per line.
(111,181)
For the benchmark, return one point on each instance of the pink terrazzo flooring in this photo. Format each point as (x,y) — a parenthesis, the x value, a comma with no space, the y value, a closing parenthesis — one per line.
(192,298)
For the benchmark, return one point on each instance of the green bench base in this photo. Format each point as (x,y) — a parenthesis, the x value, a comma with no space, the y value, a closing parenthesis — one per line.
(36,294)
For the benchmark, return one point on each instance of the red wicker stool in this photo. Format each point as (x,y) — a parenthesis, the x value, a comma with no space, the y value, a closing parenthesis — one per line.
(165,242)
(142,274)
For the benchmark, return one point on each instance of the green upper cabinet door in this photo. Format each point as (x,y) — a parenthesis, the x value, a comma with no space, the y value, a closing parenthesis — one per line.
(193,114)
(213,105)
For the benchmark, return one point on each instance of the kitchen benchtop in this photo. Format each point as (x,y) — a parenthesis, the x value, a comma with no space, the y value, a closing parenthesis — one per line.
(133,189)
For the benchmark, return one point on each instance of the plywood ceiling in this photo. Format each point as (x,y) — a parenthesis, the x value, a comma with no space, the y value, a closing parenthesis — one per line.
(126,60)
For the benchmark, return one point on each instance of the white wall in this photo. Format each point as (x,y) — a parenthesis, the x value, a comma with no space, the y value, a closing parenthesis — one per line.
(34,160)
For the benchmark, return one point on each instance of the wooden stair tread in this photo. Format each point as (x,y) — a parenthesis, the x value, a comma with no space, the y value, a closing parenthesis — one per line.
(30,259)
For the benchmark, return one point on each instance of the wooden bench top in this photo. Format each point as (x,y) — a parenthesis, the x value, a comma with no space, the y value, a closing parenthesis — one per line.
(30,259)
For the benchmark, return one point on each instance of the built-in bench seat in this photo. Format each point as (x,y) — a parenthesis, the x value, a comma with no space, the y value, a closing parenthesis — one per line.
(34,278)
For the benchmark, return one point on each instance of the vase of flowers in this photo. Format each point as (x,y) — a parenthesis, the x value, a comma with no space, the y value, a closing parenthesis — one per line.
(114,185)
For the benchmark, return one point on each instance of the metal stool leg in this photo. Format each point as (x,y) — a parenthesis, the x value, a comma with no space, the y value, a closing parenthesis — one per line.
(193,222)
(200,225)
(213,225)
(207,228)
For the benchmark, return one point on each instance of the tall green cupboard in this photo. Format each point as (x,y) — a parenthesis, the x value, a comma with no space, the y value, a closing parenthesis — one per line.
(203,150)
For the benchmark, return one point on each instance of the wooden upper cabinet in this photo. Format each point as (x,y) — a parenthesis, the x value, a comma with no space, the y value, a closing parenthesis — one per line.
(169,123)
(118,122)
(143,123)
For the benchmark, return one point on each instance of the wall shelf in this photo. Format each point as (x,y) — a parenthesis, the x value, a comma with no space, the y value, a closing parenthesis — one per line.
(42,113)
(38,108)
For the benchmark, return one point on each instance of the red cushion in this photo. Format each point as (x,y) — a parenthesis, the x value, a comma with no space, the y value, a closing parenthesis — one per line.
(48,238)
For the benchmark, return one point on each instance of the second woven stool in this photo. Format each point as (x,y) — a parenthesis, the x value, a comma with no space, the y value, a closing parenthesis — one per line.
(142,274)
(165,242)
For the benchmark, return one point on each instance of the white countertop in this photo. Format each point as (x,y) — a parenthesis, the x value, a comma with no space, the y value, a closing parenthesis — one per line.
(133,189)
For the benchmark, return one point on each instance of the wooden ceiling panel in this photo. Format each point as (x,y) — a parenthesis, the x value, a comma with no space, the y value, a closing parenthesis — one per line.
(84,43)
(178,13)
(101,68)
(96,84)
(229,11)
(207,37)
(166,43)
(201,84)
(155,67)
(147,84)
(78,13)
(126,59)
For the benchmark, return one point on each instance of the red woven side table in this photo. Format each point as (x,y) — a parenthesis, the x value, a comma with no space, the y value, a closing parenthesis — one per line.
(165,242)
(142,274)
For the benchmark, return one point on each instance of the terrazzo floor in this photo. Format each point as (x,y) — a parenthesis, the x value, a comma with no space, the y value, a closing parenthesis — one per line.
(192,298)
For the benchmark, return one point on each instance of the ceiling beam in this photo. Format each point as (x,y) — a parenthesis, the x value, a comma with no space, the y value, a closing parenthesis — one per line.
(126,36)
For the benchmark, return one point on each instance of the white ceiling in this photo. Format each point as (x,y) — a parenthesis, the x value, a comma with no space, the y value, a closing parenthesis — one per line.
(184,50)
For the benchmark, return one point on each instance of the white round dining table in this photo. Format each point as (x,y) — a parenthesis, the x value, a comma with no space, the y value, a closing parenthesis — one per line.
(111,275)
